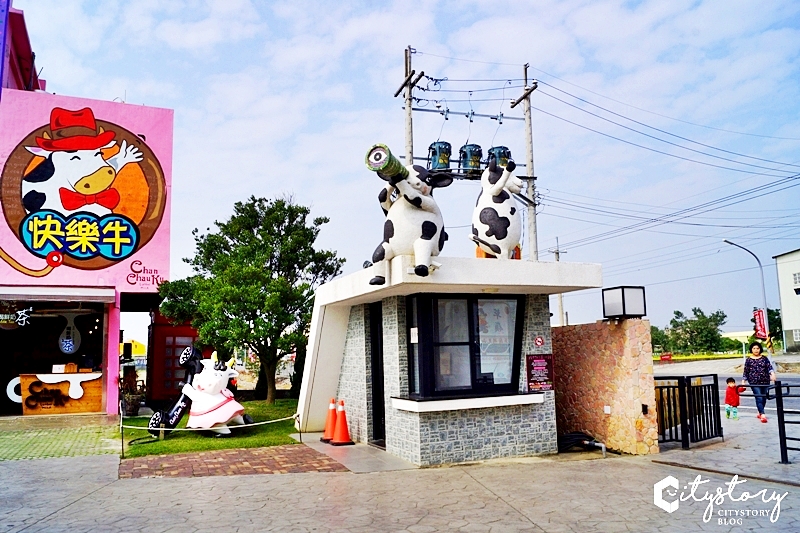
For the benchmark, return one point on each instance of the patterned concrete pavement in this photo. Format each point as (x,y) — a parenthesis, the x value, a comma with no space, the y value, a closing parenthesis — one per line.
(533,495)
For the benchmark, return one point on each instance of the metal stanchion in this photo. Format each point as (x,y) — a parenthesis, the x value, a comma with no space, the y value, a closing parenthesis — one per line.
(781,423)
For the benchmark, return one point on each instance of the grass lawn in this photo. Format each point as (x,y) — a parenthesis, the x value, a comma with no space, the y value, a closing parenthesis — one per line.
(197,441)
(682,358)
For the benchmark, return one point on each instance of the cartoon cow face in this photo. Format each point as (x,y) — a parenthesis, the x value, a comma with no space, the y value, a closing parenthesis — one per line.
(414,224)
(496,221)
(75,180)
(212,380)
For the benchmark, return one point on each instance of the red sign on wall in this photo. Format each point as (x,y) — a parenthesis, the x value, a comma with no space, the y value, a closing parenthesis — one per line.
(761,324)
(539,371)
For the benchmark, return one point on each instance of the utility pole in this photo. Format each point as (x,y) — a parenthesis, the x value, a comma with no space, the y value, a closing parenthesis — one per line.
(408,85)
(409,126)
(530,191)
(561,319)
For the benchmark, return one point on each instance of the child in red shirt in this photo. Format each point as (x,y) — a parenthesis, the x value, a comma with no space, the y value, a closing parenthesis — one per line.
(732,399)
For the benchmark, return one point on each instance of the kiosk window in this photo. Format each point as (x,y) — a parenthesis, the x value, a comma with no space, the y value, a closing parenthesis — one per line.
(463,345)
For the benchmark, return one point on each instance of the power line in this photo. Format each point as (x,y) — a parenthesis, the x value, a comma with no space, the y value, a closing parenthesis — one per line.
(619,214)
(468,90)
(653,149)
(660,220)
(608,97)
(660,130)
(672,143)
(596,199)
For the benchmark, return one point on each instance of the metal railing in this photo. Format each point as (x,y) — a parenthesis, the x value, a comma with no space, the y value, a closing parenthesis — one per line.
(688,409)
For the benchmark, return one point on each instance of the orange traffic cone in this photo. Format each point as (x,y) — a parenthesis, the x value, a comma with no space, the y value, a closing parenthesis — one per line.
(341,435)
(330,422)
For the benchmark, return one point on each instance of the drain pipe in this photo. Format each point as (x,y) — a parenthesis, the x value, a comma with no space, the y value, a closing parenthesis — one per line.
(596,445)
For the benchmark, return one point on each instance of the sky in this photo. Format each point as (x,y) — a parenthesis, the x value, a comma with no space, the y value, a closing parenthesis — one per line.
(285,98)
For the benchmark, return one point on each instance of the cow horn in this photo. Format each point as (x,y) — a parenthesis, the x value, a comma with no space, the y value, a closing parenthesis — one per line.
(214,356)
(45,135)
(100,130)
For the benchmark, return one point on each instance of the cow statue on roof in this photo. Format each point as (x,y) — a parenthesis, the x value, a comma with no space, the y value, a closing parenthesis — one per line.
(496,220)
(414,223)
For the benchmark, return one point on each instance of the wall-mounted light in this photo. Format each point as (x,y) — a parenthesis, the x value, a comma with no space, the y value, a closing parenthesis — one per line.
(624,302)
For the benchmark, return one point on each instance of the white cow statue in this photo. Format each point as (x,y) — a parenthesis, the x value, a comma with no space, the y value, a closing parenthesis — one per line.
(213,406)
(76,180)
(414,223)
(496,221)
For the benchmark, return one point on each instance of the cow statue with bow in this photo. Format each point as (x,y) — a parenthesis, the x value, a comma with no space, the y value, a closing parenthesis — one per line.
(213,406)
(496,220)
(75,176)
(414,223)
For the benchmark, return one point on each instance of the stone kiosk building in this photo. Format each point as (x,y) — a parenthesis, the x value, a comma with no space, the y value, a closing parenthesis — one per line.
(433,368)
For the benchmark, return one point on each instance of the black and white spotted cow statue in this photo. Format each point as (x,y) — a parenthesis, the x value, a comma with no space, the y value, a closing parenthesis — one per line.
(414,223)
(496,221)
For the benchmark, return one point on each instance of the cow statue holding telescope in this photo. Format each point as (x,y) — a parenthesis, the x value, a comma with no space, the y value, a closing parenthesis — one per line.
(414,223)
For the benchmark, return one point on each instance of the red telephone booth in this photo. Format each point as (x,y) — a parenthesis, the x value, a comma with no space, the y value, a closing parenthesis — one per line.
(166,342)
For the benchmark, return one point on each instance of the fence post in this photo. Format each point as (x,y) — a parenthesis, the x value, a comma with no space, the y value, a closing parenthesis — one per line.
(781,423)
(683,412)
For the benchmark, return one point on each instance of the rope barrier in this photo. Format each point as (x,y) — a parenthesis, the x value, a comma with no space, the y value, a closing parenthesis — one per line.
(145,428)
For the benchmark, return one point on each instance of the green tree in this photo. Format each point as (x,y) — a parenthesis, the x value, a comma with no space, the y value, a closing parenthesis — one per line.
(698,333)
(254,283)
(775,323)
(659,338)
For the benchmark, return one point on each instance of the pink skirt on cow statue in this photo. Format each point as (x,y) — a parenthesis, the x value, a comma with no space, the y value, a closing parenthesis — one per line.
(221,413)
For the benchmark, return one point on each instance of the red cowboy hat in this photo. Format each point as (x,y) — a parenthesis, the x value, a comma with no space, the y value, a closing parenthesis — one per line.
(73,130)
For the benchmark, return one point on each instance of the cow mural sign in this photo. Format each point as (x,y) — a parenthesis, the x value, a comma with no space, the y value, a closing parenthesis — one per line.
(84,191)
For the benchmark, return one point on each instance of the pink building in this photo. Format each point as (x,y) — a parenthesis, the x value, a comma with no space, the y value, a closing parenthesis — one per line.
(85,192)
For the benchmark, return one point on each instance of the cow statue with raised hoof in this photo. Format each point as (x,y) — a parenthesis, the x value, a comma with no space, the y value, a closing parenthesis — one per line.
(496,220)
(414,223)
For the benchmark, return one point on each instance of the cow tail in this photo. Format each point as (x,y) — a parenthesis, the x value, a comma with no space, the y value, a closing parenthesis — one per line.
(25,270)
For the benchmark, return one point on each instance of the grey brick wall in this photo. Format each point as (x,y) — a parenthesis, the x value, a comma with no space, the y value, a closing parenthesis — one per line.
(537,323)
(478,434)
(402,428)
(448,436)
(512,431)
(355,375)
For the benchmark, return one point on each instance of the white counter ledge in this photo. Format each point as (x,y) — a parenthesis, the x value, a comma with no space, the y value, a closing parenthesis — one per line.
(432,406)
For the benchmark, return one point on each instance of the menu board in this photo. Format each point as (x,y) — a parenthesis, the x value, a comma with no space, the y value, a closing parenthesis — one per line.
(539,371)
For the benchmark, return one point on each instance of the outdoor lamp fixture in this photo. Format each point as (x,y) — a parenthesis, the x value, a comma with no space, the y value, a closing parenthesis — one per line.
(624,302)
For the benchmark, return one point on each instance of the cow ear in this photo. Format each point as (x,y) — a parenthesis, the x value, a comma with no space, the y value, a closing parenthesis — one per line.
(422,172)
(440,179)
(492,164)
(35,150)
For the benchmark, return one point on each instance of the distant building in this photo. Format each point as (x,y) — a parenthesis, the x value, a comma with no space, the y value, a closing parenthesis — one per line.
(789,290)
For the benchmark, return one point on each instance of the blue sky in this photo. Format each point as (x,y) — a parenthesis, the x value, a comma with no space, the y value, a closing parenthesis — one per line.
(275,98)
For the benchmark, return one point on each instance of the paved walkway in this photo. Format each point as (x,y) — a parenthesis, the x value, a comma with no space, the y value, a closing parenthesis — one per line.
(285,459)
(359,458)
(536,495)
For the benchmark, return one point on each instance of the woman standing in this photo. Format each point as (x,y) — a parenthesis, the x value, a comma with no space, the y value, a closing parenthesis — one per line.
(758,373)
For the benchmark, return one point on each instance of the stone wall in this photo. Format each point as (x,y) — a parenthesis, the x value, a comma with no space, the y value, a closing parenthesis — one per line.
(607,364)
(479,434)
(402,428)
(355,377)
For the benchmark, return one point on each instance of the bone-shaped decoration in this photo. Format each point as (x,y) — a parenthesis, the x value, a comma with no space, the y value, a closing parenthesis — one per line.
(75,381)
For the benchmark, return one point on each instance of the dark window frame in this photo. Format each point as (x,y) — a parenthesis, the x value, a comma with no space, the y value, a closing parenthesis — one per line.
(426,305)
